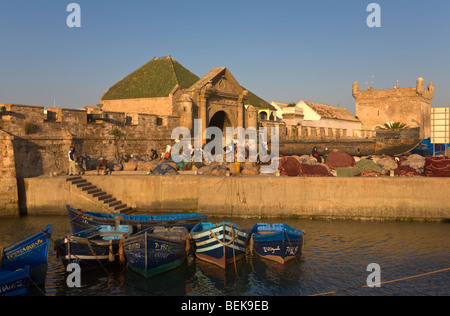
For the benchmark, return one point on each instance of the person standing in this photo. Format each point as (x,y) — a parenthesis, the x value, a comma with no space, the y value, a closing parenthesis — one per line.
(72,162)
(315,154)
(86,161)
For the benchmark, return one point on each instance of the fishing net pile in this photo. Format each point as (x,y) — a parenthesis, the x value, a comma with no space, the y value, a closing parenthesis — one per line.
(415,162)
(363,168)
(340,160)
(437,167)
(219,170)
(386,164)
(291,167)
(410,166)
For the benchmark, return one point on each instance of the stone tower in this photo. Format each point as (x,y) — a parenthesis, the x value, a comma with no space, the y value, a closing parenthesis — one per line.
(411,106)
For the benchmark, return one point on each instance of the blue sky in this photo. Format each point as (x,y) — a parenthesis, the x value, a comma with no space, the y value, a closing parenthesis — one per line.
(283,51)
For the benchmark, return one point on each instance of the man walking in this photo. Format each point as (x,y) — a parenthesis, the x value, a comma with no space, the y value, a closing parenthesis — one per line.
(72,162)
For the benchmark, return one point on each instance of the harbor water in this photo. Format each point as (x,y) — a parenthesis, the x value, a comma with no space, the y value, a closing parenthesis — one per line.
(335,261)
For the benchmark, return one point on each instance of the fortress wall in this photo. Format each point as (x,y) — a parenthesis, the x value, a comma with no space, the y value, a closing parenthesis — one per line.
(9,205)
(41,141)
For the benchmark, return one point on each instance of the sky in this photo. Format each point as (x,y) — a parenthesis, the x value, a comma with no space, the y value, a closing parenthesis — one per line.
(283,51)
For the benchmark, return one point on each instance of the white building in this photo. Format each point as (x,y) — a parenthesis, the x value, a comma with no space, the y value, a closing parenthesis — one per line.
(440,125)
(288,113)
(327,116)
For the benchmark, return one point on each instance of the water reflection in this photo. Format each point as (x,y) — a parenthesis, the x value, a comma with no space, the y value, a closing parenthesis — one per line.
(335,257)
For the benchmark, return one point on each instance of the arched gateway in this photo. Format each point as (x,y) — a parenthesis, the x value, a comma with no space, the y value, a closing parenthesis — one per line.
(218,100)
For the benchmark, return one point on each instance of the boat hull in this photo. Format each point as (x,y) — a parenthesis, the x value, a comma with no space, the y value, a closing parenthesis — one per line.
(220,244)
(92,248)
(277,242)
(80,220)
(32,252)
(15,283)
(149,253)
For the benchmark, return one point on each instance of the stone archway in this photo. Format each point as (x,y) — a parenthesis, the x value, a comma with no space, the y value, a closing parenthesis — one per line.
(221,120)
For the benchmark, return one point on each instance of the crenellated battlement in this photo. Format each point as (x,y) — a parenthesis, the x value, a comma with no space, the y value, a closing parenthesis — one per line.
(411,106)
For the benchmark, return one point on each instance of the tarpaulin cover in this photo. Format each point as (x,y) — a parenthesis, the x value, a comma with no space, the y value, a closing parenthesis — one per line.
(163,170)
(425,148)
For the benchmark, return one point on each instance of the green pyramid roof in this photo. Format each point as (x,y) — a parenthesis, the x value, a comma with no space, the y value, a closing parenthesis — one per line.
(155,79)
(254,100)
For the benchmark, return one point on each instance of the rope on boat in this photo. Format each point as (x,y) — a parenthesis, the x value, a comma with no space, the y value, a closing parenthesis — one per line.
(385,282)
(81,213)
(111,256)
(121,253)
(233,237)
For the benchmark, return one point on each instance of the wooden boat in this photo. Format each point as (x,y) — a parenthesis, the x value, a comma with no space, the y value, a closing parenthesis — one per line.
(81,220)
(92,248)
(278,242)
(157,250)
(220,244)
(15,283)
(32,252)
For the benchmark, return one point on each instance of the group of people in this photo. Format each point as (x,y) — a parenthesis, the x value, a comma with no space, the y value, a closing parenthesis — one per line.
(79,164)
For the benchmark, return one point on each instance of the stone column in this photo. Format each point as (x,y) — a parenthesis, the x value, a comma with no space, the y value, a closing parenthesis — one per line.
(252,117)
(204,94)
(240,103)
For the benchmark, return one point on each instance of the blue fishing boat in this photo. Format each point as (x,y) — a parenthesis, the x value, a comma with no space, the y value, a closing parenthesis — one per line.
(220,244)
(92,248)
(157,250)
(32,252)
(15,283)
(278,242)
(81,220)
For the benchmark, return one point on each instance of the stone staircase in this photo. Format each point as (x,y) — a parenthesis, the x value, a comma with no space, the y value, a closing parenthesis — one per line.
(111,203)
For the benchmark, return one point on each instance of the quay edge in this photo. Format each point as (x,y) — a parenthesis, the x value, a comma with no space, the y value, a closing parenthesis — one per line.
(383,198)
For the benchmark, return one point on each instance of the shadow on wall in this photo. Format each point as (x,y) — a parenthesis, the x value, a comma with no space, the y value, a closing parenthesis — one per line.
(28,158)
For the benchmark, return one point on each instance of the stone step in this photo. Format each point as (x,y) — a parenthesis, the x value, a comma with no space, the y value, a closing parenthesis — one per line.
(89,187)
(84,184)
(104,197)
(114,203)
(120,206)
(126,210)
(94,191)
(79,181)
(110,200)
